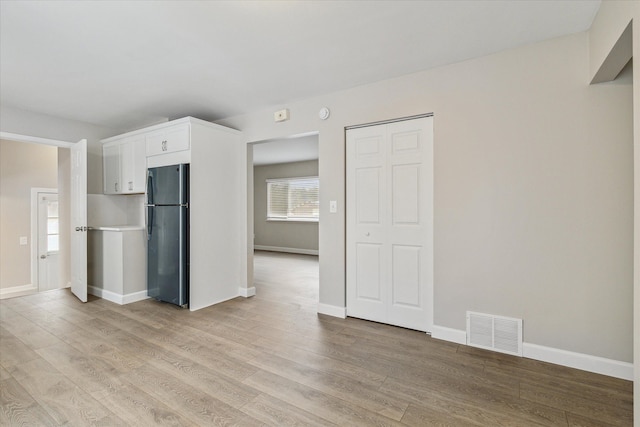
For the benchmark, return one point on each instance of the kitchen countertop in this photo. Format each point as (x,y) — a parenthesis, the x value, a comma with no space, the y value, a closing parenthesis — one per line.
(117,227)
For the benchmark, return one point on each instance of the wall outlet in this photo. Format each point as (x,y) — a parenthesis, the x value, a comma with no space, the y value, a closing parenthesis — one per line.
(23,240)
(281,116)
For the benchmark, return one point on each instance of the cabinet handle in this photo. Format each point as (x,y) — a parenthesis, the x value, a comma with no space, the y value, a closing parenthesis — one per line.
(116,186)
(130,185)
(164,145)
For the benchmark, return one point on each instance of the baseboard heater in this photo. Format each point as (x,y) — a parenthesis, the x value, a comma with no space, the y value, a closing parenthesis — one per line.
(497,333)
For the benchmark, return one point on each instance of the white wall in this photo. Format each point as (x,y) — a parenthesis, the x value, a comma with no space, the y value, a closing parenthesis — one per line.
(533,189)
(282,234)
(217,216)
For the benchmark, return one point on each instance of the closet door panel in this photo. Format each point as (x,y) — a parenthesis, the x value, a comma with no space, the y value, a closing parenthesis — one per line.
(390,223)
(366,212)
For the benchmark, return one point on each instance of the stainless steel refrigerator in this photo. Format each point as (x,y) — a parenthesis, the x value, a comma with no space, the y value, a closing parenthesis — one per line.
(168,234)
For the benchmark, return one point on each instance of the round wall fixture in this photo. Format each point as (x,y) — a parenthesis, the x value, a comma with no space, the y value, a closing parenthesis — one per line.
(324,113)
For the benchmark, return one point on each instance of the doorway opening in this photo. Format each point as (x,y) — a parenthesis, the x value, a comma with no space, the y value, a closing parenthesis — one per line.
(283,193)
(45,238)
(64,214)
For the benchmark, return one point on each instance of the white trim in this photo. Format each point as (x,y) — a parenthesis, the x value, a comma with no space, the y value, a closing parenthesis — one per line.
(585,362)
(18,291)
(108,295)
(168,159)
(287,250)
(196,308)
(34,139)
(117,298)
(135,297)
(247,292)
(34,232)
(570,359)
(386,122)
(332,310)
(447,334)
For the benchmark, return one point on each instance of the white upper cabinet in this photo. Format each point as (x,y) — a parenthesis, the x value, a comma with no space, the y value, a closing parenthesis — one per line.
(176,138)
(124,164)
(111,168)
(133,164)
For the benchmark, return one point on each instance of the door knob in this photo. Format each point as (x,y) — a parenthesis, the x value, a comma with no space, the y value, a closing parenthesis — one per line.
(43,256)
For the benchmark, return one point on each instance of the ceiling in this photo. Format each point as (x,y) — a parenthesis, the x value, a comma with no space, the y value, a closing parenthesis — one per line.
(126,64)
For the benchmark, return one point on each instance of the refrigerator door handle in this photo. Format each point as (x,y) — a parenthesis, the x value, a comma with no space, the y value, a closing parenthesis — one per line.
(149,214)
(149,220)
(149,188)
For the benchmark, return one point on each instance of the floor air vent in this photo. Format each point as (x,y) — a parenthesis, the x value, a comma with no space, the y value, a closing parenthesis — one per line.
(497,333)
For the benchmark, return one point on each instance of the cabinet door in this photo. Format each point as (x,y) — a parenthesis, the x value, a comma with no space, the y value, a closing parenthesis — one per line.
(168,140)
(127,167)
(139,165)
(111,165)
(133,165)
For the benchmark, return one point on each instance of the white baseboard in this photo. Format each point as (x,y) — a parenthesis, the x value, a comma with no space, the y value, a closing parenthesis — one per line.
(585,362)
(247,292)
(332,310)
(288,250)
(117,298)
(18,291)
(134,297)
(448,334)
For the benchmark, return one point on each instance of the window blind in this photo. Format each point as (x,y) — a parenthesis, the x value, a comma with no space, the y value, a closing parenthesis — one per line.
(294,199)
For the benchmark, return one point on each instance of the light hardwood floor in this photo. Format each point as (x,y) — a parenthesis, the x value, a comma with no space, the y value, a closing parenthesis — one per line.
(270,360)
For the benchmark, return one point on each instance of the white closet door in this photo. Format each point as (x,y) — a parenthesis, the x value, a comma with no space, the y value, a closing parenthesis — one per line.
(390,223)
(366,223)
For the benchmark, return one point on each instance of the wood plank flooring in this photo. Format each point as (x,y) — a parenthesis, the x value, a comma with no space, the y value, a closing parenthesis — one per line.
(270,360)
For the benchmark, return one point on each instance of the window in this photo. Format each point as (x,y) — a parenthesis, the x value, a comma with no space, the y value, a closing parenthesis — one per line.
(293,199)
(53,244)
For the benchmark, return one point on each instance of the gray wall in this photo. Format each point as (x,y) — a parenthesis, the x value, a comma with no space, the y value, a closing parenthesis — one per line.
(296,235)
(608,26)
(533,189)
(27,123)
(22,167)
(41,125)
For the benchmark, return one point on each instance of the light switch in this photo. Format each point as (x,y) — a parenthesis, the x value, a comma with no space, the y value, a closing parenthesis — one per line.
(333,206)
(23,240)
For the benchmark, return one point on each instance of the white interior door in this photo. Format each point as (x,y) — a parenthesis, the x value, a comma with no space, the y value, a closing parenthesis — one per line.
(79,220)
(390,223)
(48,242)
